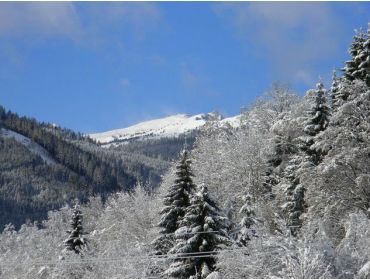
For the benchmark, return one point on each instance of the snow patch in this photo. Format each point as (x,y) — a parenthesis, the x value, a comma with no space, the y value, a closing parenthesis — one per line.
(29,144)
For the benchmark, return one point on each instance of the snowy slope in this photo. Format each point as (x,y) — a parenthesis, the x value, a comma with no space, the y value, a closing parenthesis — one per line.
(171,126)
(30,145)
(232,121)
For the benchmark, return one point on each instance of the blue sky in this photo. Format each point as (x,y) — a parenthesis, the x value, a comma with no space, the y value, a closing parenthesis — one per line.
(99,66)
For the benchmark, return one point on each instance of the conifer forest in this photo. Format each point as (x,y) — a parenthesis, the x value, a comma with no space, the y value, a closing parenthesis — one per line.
(285,194)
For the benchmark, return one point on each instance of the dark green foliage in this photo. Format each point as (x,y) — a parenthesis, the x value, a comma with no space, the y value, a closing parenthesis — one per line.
(178,197)
(246,231)
(334,90)
(294,192)
(283,147)
(175,203)
(203,229)
(351,70)
(364,57)
(317,121)
(75,241)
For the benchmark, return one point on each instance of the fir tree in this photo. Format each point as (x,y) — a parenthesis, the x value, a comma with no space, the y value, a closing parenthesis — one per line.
(282,149)
(75,242)
(317,121)
(175,203)
(319,114)
(351,70)
(203,231)
(294,192)
(334,90)
(246,231)
(363,71)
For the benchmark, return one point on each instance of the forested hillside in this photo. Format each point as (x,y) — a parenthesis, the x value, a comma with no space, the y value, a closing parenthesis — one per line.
(285,195)
(43,167)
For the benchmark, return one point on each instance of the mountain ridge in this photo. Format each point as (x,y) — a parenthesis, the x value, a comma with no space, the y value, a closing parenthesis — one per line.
(166,127)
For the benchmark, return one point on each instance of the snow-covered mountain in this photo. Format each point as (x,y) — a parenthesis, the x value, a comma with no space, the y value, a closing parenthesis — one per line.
(171,126)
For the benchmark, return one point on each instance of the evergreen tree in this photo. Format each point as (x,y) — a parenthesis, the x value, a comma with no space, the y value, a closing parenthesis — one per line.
(319,114)
(294,192)
(334,90)
(363,71)
(246,231)
(282,149)
(351,70)
(203,231)
(317,121)
(75,242)
(175,203)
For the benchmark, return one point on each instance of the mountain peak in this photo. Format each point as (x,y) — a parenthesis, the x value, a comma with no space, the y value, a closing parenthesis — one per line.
(170,126)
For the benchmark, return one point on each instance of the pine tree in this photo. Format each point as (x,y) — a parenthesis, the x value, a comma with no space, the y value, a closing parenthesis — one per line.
(319,114)
(351,70)
(317,121)
(246,231)
(270,179)
(75,242)
(282,149)
(175,203)
(203,231)
(363,71)
(294,193)
(334,90)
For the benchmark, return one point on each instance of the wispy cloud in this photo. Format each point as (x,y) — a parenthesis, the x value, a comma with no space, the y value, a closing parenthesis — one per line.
(39,19)
(103,27)
(196,79)
(83,21)
(294,36)
(139,17)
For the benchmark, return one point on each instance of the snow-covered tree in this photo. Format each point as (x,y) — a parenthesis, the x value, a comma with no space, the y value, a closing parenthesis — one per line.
(175,203)
(319,114)
(76,240)
(364,58)
(178,197)
(340,175)
(124,231)
(353,252)
(294,192)
(317,121)
(246,230)
(203,231)
(279,255)
(352,67)
(334,89)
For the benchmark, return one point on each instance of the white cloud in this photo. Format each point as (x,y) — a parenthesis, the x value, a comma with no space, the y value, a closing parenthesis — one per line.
(294,36)
(82,21)
(138,17)
(39,18)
